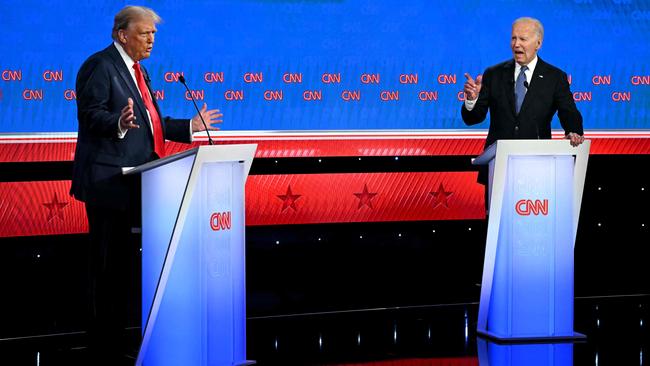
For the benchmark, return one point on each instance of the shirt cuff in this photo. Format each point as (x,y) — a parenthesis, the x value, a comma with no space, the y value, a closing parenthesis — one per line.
(469,104)
(191,133)
(120,132)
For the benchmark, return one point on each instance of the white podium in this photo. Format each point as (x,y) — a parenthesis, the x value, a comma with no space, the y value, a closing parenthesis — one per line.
(193,257)
(535,194)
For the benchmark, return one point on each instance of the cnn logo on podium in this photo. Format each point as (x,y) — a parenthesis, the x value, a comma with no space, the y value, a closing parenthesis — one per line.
(534,207)
(221,221)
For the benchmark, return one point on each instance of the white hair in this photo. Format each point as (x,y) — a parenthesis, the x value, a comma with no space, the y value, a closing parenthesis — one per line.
(539,28)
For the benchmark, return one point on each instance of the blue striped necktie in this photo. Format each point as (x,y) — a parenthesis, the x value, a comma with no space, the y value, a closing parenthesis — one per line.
(520,88)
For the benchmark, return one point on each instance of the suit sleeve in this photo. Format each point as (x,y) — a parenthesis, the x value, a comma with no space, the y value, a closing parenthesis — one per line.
(178,130)
(567,112)
(480,110)
(93,100)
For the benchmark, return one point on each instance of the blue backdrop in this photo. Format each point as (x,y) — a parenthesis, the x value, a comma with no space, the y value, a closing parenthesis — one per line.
(602,45)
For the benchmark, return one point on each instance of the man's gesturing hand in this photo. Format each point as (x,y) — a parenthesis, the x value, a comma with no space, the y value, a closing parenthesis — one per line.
(472,87)
(127,117)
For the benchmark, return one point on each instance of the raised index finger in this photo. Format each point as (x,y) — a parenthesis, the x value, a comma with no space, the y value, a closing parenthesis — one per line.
(469,77)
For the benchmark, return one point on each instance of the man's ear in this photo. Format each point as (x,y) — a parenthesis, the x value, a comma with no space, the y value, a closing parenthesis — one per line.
(121,35)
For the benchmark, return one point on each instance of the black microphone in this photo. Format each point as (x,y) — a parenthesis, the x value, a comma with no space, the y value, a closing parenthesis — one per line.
(526,84)
(181,78)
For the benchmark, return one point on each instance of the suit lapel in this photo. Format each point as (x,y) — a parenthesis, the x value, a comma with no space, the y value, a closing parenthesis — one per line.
(508,75)
(125,74)
(534,85)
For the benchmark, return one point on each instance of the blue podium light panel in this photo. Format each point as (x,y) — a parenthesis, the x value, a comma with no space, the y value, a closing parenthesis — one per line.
(162,193)
(532,289)
(222,260)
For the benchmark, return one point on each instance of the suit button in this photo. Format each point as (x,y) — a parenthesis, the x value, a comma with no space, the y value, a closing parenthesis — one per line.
(516,128)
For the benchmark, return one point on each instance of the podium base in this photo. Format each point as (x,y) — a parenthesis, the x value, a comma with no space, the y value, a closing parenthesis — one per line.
(576,337)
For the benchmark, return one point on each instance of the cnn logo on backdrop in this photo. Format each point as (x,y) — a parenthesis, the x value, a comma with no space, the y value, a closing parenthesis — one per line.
(534,207)
(221,221)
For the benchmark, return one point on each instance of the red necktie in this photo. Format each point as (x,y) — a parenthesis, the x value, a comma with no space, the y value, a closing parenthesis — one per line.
(158,141)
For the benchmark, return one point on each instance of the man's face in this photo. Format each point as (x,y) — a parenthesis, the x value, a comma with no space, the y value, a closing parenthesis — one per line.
(137,39)
(524,42)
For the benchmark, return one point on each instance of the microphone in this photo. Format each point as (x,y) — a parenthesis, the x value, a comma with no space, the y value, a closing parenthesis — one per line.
(526,84)
(181,78)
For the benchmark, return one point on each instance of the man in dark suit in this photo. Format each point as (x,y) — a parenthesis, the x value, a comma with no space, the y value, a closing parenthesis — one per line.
(522,94)
(120,125)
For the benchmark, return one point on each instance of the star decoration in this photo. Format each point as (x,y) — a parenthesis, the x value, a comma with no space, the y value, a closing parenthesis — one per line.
(441,196)
(289,199)
(365,197)
(55,208)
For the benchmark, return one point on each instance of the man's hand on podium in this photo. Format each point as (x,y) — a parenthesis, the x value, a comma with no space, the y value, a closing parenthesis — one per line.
(575,138)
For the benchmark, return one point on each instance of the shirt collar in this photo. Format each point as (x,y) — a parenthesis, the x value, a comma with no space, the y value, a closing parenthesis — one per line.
(531,66)
(127,59)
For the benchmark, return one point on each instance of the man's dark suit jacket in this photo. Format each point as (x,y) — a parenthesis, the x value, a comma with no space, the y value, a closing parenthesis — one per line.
(103,87)
(548,93)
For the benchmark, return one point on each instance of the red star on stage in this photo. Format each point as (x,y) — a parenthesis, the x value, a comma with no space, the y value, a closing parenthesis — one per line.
(55,208)
(289,199)
(365,198)
(440,196)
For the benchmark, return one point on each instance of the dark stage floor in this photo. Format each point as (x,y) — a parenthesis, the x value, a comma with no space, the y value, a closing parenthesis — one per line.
(616,329)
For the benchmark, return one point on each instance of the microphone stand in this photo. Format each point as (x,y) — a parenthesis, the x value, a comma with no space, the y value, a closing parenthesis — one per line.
(181,78)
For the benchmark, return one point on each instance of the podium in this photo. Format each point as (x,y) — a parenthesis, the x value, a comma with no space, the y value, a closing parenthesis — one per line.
(535,194)
(193,257)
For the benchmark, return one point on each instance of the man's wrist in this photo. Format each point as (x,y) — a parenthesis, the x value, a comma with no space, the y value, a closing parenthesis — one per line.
(120,131)
(469,104)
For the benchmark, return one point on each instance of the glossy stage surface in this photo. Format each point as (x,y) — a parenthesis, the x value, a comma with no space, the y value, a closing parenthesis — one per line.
(616,328)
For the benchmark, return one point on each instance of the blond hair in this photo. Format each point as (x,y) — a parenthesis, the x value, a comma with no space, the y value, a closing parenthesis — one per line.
(131,13)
